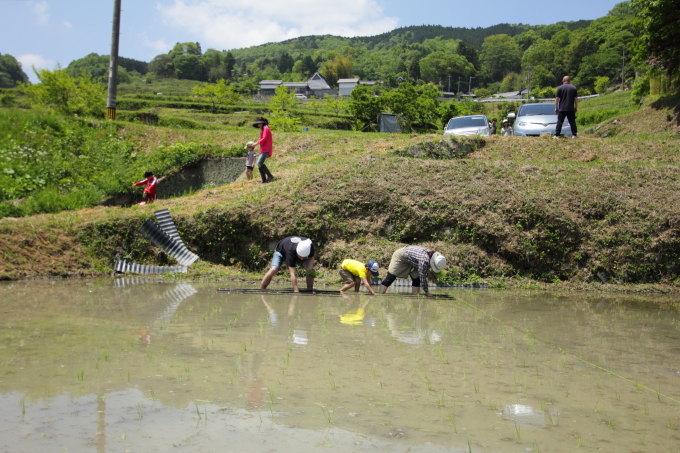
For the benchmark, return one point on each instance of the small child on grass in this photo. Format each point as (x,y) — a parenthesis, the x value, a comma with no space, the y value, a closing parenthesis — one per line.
(150,190)
(250,159)
(353,272)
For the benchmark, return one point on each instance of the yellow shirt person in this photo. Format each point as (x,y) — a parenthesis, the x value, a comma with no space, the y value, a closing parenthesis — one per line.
(353,272)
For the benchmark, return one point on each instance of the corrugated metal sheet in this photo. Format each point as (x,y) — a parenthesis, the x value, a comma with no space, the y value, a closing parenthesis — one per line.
(124,266)
(168,225)
(159,238)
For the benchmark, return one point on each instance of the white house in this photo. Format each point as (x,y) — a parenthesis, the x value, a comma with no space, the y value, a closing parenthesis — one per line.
(347,85)
(267,87)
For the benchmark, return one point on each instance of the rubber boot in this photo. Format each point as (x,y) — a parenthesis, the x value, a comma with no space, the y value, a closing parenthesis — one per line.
(267,173)
(263,173)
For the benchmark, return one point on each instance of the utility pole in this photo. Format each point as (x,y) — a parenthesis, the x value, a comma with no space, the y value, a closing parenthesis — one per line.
(528,68)
(623,68)
(458,85)
(113,63)
(449,83)
(470,85)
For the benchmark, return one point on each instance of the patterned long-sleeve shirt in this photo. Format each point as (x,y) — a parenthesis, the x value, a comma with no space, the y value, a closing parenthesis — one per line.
(418,257)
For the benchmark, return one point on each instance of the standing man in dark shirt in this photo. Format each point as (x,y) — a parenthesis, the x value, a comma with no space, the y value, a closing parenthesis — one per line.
(492,127)
(294,251)
(566,105)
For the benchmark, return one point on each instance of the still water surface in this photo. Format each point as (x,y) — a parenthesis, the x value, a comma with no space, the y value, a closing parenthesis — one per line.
(138,365)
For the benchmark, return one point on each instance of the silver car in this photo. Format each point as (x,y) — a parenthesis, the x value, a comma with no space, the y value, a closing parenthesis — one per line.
(468,125)
(534,120)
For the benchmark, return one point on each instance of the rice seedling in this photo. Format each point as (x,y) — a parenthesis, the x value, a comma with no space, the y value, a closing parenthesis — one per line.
(452,419)
(469,446)
(153,395)
(550,418)
(106,355)
(658,393)
(671,424)
(618,396)
(638,385)
(518,432)
(128,375)
(536,448)
(599,381)
(643,439)
(198,413)
(598,406)
(96,364)
(327,414)
(81,375)
(610,423)
(186,368)
(440,399)
(22,405)
(149,355)
(271,397)
(124,435)
(579,443)
(333,385)
(140,410)
(160,325)
(646,409)
(476,385)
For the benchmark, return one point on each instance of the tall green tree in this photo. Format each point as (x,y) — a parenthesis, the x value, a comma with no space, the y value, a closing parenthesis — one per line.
(286,63)
(59,91)
(500,56)
(438,66)
(221,93)
(11,72)
(162,66)
(469,52)
(659,33)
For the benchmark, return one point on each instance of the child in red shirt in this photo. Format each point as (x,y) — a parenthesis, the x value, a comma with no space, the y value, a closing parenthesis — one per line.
(150,190)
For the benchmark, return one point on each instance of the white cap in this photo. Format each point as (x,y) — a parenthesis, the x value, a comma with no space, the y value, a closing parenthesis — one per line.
(249,144)
(437,262)
(304,248)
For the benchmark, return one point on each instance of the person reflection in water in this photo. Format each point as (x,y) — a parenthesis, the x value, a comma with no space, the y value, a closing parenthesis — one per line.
(354,316)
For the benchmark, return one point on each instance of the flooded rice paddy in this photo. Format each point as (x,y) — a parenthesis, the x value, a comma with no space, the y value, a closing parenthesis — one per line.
(141,366)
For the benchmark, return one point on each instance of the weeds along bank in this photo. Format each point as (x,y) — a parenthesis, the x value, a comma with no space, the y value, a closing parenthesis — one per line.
(582,210)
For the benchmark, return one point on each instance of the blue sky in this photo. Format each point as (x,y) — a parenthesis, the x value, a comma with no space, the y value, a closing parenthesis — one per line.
(46,32)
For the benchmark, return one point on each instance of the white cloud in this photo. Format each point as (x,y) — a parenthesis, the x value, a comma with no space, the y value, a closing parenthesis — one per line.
(42,11)
(30,60)
(159,45)
(68,24)
(227,24)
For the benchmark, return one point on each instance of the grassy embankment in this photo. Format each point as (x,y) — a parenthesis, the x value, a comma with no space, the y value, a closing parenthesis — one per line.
(514,210)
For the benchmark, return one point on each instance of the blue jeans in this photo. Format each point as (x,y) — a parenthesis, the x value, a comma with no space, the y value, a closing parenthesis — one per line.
(261,159)
(278,260)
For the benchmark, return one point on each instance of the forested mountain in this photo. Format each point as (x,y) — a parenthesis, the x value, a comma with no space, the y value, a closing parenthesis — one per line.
(11,72)
(498,57)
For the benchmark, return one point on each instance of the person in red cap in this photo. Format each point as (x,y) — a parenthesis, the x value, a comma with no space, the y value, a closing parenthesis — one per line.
(265,143)
(150,190)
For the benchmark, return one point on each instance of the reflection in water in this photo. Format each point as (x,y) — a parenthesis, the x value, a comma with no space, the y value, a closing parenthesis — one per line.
(294,373)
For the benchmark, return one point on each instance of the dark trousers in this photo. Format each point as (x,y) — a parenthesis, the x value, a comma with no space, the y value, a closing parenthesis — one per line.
(571,117)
